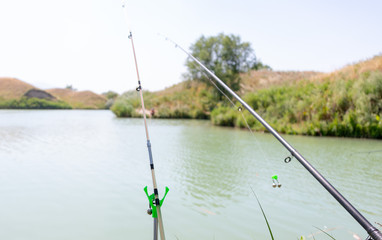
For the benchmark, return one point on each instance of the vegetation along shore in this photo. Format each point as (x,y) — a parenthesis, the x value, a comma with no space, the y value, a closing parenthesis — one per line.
(346,102)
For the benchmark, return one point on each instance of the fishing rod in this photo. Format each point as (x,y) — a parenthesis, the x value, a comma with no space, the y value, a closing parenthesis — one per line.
(158,219)
(373,232)
(154,202)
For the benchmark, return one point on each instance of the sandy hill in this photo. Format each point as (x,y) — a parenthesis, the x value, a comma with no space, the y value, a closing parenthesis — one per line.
(79,99)
(12,88)
(15,89)
(354,70)
(255,80)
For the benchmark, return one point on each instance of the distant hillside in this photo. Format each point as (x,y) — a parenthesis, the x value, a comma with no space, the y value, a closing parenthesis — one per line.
(346,102)
(255,80)
(79,99)
(352,71)
(15,93)
(12,88)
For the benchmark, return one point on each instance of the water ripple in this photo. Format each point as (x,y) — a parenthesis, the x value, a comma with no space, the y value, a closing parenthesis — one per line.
(89,168)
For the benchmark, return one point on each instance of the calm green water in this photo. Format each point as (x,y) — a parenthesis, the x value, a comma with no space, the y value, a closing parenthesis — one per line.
(79,175)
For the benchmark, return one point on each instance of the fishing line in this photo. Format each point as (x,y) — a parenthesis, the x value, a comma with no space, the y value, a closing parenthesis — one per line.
(288,159)
(275,179)
(368,152)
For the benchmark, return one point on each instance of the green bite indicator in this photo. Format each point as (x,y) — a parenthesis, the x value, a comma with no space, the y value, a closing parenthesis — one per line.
(153,208)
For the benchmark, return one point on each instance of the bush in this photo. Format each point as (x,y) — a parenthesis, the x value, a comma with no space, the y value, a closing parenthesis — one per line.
(224,116)
(122,108)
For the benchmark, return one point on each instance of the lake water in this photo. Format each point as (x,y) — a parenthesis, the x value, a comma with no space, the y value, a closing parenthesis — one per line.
(80,175)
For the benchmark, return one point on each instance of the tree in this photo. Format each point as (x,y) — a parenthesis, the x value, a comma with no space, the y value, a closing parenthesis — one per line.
(225,55)
(70,87)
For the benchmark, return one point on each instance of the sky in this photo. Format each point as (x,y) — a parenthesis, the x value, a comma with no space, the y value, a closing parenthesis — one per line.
(84,43)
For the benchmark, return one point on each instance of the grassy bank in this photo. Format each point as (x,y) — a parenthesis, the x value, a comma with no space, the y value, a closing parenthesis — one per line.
(33,103)
(185,100)
(347,102)
(345,107)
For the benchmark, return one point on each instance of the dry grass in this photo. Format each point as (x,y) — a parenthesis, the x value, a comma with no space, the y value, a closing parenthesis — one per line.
(255,80)
(81,99)
(178,88)
(353,71)
(12,88)
(250,81)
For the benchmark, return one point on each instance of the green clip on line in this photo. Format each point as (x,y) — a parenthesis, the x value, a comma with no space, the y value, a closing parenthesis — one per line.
(151,199)
(275,180)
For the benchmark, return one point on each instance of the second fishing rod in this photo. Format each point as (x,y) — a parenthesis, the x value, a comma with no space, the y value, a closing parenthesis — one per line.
(373,232)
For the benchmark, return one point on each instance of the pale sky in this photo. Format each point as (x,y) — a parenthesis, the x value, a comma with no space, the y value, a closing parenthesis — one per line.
(85,43)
